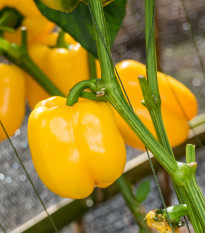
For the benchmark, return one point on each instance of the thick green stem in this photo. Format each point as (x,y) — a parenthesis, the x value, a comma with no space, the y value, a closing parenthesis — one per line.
(115,96)
(142,132)
(76,91)
(155,111)
(92,65)
(103,47)
(197,199)
(151,48)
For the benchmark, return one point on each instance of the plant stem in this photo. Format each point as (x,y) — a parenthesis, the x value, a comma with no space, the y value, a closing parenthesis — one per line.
(10,18)
(197,199)
(96,10)
(20,57)
(76,91)
(155,111)
(134,206)
(177,211)
(61,40)
(92,65)
(115,96)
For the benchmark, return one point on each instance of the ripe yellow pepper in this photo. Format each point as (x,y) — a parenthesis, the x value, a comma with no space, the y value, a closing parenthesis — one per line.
(64,67)
(174,119)
(176,123)
(71,146)
(38,26)
(12,99)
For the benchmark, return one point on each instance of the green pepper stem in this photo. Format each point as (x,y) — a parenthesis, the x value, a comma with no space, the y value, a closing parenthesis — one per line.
(61,43)
(96,11)
(92,65)
(115,96)
(10,18)
(20,57)
(190,154)
(196,198)
(78,89)
(177,211)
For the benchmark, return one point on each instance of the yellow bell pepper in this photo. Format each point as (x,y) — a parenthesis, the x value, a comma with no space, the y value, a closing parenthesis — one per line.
(176,124)
(38,26)
(64,67)
(71,146)
(12,99)
(175,121)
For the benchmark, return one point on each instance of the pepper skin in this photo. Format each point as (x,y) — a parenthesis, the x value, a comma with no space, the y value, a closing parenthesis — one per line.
(64,67)
(67,5)
(75,148)
(174,120)
(37,25)
(12,99)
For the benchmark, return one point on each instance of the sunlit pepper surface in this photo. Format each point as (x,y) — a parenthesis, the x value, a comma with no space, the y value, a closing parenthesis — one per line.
(75,148)
(37,25)
(12,99)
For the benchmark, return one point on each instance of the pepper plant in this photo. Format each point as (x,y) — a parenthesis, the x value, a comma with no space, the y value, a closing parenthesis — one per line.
(109,89)
(182,175)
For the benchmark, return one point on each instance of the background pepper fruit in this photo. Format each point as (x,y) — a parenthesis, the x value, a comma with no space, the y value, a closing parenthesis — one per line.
(71,146)
(64,67)
(175,122)
(12,99)
(37,25)
(67,5)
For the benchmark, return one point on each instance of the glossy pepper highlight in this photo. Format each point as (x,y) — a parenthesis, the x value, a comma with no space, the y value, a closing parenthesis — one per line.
(64,66)
(75,148)
(37,25)
(175,121)
(12,99)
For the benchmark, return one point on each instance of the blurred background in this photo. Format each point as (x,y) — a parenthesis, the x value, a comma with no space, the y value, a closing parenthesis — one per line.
(177,57)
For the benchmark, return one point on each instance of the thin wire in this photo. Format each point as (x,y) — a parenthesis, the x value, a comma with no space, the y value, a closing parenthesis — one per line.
(108,53)
(159,188)
(193,38)
(3,229)
(28,176)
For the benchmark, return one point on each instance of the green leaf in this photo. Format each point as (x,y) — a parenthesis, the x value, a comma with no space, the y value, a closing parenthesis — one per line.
(142,191)
(78,23)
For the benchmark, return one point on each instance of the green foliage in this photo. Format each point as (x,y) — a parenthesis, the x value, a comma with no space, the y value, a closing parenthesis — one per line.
(78,23)
(142,191)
